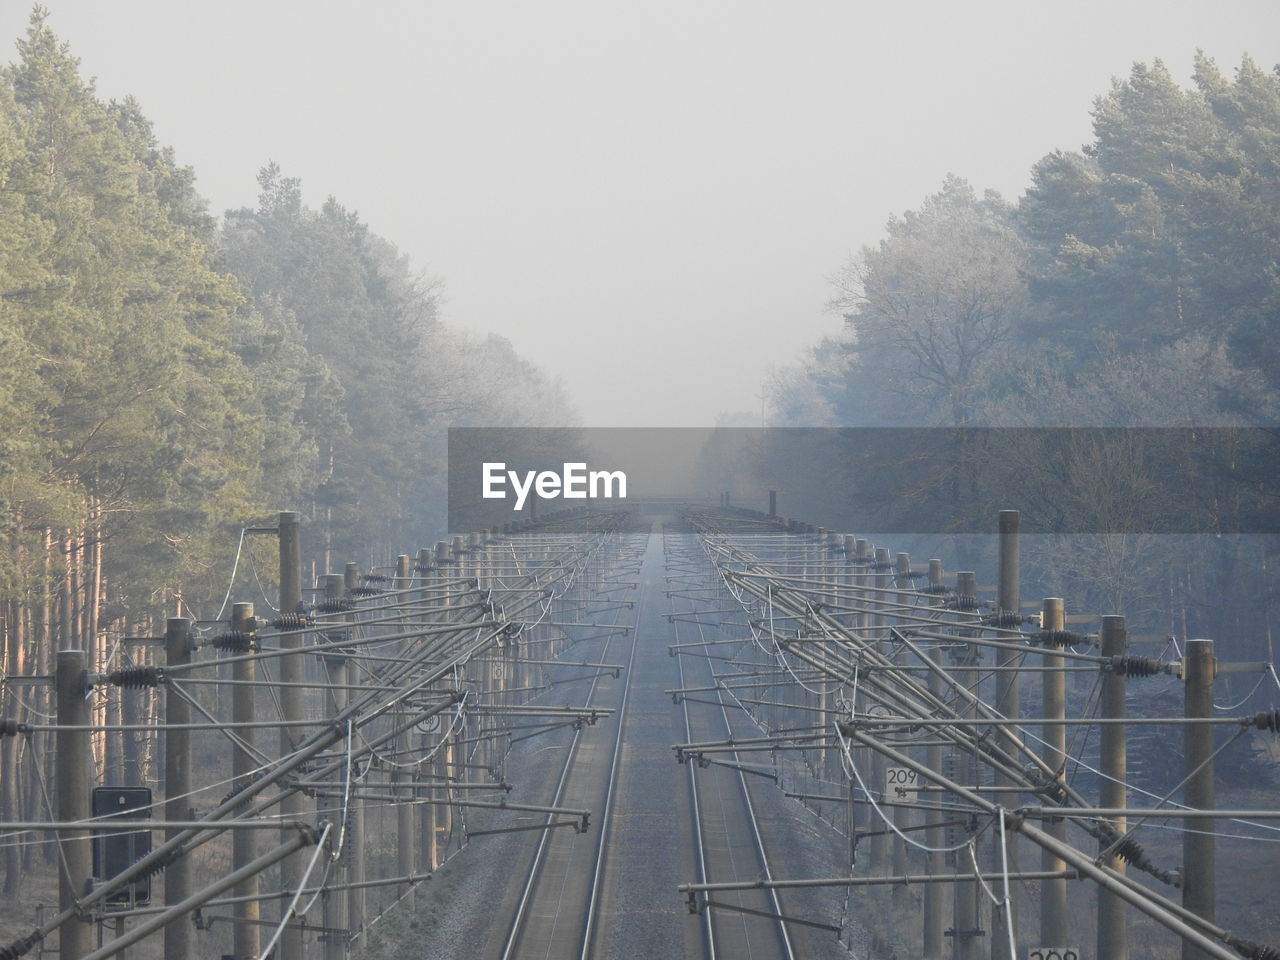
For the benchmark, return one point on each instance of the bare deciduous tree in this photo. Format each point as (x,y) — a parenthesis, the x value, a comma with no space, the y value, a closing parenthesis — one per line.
(934,305)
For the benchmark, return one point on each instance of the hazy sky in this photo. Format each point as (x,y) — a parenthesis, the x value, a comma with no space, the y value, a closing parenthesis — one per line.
(648,198)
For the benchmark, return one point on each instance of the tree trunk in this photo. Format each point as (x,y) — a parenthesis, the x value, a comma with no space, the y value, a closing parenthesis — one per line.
(44,639)
(66,628)
(10,784)
(151,753)
(92,564)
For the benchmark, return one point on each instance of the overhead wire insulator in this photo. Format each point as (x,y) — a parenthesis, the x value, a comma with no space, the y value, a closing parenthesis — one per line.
(1133,666)
(959,602)
(366,592)
(1055,790)
(1268,720)
(333,605)
(156,867)
(291,621)
(235,641)
(135,677)
(1005,618)
(1128,849)
(11,728)
(375,578)
(1060,638)
(1255,951)
(20,948)
(1049,787)
(937,589)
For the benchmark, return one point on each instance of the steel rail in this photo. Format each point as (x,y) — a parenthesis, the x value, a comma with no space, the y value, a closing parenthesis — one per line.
(606,823)
(532,875)
(886,685)
(365,709)
(700,834)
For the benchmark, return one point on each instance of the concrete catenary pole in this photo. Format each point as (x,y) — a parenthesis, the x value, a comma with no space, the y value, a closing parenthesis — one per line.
(1113,935)
(423,772)
(243,762)
(965,924)
(935,893)
(902,816)
(1199,856)
(177,787)
(71,794)
(406,842)
(442,813)
(1053,893)
(294,805)
(880,849)
(855,550)
(1009,605)
(357,897)
(336,906)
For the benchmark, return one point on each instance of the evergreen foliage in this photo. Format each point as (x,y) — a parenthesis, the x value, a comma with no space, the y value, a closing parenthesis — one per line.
(1136,283)
(167,379)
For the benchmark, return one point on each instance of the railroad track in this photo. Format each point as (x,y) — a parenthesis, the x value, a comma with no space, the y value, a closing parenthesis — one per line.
(612,892)
(845,671)
(726,834)
(557,911)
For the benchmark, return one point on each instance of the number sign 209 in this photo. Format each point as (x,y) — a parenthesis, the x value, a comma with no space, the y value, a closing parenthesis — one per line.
(901,783)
